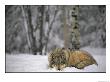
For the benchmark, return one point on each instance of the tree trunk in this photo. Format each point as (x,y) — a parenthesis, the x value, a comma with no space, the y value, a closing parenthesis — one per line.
(26,27)
(49,30)
(40,26)
(66,29)
(75,29)
(29,29)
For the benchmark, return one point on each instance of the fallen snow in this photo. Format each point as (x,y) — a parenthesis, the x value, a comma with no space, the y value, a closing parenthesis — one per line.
(38,63)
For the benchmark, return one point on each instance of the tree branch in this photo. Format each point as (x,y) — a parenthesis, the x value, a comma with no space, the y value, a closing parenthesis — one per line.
(49,30)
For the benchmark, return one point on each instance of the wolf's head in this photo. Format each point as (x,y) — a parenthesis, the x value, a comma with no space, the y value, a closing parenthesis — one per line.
(58,59)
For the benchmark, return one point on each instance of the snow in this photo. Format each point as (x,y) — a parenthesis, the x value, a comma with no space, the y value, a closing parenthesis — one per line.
(39,63)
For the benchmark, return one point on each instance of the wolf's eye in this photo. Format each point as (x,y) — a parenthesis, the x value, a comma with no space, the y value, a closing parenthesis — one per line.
(62,62)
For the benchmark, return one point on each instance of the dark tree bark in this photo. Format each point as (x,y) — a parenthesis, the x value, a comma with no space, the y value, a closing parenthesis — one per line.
(40,26)
(31,30)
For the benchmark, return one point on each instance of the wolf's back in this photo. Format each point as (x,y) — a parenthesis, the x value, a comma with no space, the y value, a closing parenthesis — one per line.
(81,59)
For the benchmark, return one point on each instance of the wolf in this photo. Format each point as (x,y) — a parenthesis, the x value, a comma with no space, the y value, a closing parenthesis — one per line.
(61,58)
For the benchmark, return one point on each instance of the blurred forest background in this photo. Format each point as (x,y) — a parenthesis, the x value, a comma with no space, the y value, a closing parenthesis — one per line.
(40,28)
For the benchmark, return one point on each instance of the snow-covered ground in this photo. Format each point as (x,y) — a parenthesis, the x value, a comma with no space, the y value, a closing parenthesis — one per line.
(38,63)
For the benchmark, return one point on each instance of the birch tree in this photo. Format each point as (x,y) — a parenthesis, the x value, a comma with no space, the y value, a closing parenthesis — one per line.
(75,29)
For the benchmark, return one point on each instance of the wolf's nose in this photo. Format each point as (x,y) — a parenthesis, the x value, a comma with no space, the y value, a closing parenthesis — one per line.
(58,68)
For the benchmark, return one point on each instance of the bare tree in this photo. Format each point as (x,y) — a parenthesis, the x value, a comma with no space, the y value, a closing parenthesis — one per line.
(75,29)
(49,30)
(41,12)
(26,11)
(26,26)
(66,28)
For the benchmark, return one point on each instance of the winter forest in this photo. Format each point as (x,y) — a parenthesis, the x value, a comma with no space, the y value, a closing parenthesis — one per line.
(32,31)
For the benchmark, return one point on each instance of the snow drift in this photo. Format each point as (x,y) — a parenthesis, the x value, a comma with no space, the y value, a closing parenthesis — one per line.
(39,63)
